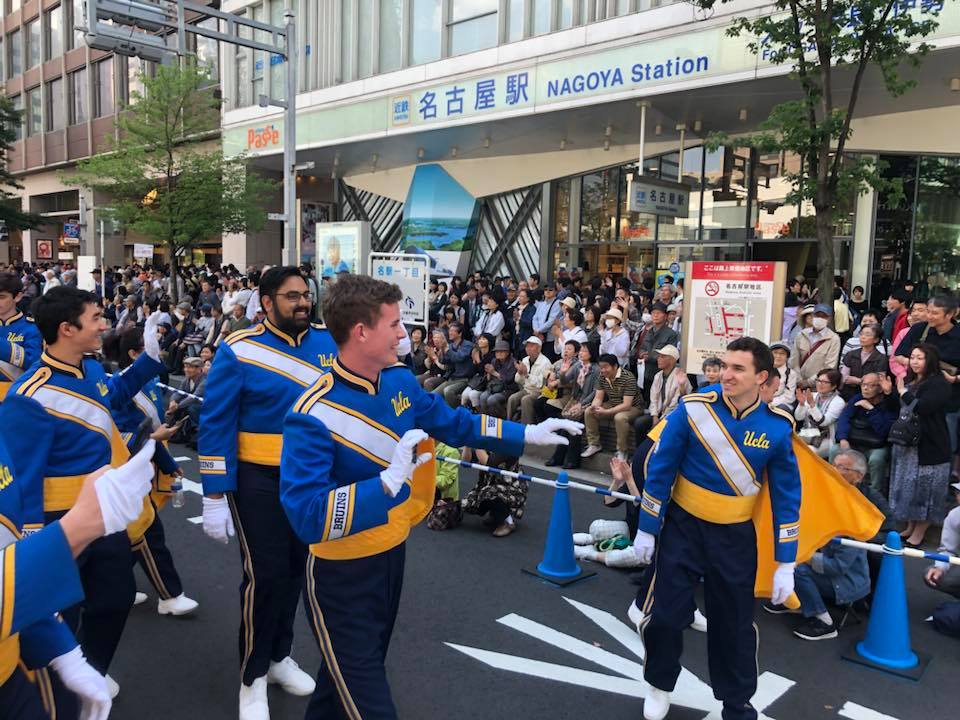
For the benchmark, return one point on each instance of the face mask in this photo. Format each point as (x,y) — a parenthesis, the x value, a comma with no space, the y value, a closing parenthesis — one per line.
(647,318)
(610,322)
(403,348)
(819,323)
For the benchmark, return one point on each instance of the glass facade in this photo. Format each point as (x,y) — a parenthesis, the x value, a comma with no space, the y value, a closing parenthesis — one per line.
(34,111)
(425,40)
(33,43)
(14,54)
(56,106)
(103,94)
(53,27)
(78,96)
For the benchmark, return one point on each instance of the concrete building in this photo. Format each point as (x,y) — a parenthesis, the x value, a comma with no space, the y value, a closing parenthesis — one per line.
(71,97)
(532,107)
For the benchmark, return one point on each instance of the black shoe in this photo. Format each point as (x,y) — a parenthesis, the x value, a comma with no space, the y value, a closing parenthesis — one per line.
(571,466)
(816,629)
(552,462)
(778,609)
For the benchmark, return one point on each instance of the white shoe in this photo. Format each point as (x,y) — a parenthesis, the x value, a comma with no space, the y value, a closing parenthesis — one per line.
(140,598)
(699,621)
(625,558)
(180,605)
(253,700)
(288,675)
(582,539)
(584,552)
(591,451)
(112,687)
(635,614)
(622,456)
(656,704)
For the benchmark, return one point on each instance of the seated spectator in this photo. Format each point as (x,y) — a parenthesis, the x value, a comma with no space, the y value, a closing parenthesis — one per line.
(569,330)
(816,347)
(237,321)
(591,326)
(787,389)
(669,385)
(920,474)
(481,355)
(940,576)
(434,374)
(818,411)
(215,333)
(581,396)
(867,359)
(500,385)
(559,384)
(864,426)
(181,405)
(836,574)
(617,400)
(870,317)
(456,361)
(501,498)
(531,376)
(711,367)
(614,338)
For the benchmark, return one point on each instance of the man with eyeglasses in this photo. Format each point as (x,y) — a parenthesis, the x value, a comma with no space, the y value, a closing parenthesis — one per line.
(256,376)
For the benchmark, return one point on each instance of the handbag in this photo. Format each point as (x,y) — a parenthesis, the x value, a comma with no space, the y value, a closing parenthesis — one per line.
(477,382)
(863,436)
(906,428)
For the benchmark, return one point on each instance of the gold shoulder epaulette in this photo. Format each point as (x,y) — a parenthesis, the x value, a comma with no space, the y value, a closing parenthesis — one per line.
(316,391)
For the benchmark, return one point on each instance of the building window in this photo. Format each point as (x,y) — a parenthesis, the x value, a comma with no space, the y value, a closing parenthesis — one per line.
(104,93)
(427,19)
(256,13)
(365,31)
(136,69)
(278,66)
(391,22)
(34,111)
(208,50)
(936,227)
(14,54)
(75,37)
(14,5)
(565,16)
(78,96)
(56,108)
(241,64)
(17,101)
(473,25)
(53,27)
(33,43)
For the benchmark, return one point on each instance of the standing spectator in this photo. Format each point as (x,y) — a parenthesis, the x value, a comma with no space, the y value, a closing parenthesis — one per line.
(456,362)
(940,331)
(867,359)
(208,295)
(920,474)
(548,310)
(500,383)
(532,373)
(491,321)
(453,305)
(918,314)
(614,338)
(896,318)
(804,320)
(786,393)
(418,351)
(864,426)
(658,335)
(938,575)
(523,318)
(591,326)
(617,400)
(816,347)
(857,304)
(570,330)
(869,317)
(791,305)
(819,411)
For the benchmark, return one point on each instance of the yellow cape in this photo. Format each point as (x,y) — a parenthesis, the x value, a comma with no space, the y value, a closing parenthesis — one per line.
(829,507)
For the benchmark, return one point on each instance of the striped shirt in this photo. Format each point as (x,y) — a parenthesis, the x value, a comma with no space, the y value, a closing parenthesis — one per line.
(624,383)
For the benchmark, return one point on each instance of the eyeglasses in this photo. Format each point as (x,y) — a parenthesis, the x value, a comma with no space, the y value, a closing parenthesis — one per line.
(293,296)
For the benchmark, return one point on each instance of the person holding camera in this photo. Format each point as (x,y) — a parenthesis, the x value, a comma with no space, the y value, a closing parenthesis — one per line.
(819,405)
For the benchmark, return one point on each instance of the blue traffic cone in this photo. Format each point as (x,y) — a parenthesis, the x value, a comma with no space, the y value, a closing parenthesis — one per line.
(887,642)
(559,566)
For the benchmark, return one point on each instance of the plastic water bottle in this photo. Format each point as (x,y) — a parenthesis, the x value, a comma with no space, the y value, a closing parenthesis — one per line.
(177,499)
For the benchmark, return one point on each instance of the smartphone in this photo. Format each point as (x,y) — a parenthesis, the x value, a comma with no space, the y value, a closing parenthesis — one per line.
(144,431)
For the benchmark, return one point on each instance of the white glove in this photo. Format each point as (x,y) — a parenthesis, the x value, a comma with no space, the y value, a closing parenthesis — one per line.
(89,685)
(782,583)
(217,521)
(120,490)
(151,339)
(545,433)
(402,464)
(643,545)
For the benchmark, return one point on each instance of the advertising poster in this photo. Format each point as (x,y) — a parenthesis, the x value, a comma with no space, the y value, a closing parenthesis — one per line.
(340,248)
(312,213)
(44,249)
(728,300)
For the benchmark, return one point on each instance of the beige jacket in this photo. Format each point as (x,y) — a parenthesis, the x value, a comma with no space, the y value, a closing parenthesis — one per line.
(825,357)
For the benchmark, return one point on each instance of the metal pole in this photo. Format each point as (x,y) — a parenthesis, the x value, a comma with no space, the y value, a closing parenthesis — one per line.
(683,129)
(103,272)
(290,142)
(643,135)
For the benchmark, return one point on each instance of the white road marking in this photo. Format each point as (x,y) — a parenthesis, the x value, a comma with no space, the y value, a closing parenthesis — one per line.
(191,486)
(196,520)
(184,458)
(623,634)
(859,712)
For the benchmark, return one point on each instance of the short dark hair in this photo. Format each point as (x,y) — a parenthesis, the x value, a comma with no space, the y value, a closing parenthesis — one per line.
(947,303)
(576,316)
(275,277)
(833,376)
(610,359)
(355,299)
(11,283)
(762,357)
(712,362)
(131,339)
(576,345)
(58,305)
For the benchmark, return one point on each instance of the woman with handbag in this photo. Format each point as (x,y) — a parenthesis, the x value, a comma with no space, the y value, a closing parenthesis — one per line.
(818,411)
(482,355)
(559,383)
(581,395)
(500,373)
(920,468)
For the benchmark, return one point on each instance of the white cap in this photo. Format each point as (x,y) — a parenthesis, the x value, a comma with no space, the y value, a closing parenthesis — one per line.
(533,339)
(670,350)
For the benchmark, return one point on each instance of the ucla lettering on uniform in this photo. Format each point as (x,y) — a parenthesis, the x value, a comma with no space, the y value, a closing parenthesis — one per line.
(325,360)
(6,477)
(751,439)
(400,403)
(102,387)
(14,337)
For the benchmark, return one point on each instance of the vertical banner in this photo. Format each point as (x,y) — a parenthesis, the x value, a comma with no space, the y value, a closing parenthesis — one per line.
(728,300)
(340,248)
(411,273)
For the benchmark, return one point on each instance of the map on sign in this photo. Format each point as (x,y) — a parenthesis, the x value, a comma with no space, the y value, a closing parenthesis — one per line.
(728,320)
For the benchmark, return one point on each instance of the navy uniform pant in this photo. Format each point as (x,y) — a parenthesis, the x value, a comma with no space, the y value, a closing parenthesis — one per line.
(106,574)
(37,696)
(273,560)
(352,606)
(725,556)
(156,561)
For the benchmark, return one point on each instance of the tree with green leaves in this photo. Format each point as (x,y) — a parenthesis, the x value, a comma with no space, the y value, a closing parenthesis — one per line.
(166,181)
(10,213)
(827,43)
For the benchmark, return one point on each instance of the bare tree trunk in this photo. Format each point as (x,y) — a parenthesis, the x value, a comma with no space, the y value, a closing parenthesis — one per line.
(825,267)
(174,276)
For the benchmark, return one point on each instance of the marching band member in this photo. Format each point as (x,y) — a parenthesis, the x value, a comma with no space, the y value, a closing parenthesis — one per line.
(256,376)
(20,342)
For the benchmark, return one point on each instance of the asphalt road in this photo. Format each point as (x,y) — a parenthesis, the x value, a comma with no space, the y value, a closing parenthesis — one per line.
(477,638)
